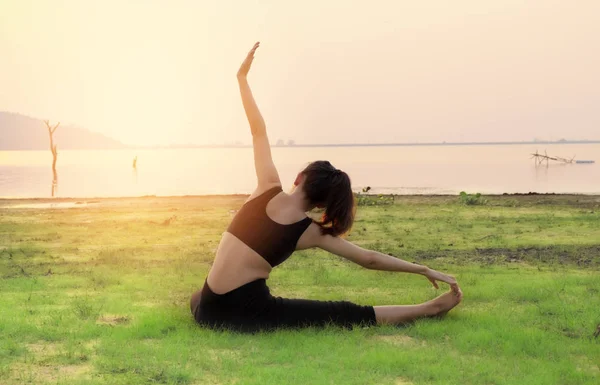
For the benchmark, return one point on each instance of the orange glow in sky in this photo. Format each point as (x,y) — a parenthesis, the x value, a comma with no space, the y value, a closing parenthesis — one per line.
(160,72)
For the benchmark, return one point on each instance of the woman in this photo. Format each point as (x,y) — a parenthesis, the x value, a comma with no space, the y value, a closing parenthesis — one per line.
(271,225)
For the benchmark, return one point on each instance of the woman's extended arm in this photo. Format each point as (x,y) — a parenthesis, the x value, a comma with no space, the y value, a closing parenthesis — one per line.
(375,260)
(266,172)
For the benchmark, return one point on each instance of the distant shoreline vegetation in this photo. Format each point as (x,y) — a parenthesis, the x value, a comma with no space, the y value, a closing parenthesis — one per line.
(315,145)
(408,144)
(23,133)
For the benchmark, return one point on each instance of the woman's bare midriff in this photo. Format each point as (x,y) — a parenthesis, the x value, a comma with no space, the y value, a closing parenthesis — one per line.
(235,265)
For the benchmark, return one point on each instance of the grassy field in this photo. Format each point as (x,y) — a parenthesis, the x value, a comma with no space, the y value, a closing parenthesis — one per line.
(99,294)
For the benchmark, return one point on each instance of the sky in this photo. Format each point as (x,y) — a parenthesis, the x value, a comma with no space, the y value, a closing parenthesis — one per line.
(328,71)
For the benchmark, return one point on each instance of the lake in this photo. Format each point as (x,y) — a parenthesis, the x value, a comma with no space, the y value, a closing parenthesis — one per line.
(489,169)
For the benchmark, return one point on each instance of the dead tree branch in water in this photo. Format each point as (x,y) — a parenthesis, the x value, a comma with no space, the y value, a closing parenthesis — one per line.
(540,158)
(51,131)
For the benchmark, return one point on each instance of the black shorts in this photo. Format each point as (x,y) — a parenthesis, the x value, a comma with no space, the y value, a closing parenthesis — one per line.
(251,308)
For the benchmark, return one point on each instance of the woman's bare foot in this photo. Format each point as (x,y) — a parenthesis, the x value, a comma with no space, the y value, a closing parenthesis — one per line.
(403,314)
(443,304)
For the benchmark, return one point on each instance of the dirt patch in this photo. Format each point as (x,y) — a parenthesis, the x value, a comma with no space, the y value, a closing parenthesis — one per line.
(208,379)
(112,320)
(218,354)
(148,304)
(586,364)
(51,205)
(581,256)
(402,381)
(42,350)
(22,373)
(92,344)
(399,340)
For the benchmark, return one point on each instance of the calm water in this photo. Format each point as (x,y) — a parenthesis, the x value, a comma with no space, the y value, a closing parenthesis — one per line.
(402,170)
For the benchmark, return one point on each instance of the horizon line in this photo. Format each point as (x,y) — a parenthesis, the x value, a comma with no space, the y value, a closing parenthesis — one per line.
(405,144)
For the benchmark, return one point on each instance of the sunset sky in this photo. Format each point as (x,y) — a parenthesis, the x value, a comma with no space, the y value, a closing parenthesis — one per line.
(162,72)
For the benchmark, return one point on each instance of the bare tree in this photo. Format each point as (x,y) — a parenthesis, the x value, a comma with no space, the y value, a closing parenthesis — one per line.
(54,153)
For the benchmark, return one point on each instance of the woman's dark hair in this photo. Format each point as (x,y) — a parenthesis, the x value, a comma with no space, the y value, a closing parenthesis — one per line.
(325,185)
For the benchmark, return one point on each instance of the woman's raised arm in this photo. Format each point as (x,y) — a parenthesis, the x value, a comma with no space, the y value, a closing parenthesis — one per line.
(266,172)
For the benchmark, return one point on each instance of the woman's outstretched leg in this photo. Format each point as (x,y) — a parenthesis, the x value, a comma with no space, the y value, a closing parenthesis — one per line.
(401,314)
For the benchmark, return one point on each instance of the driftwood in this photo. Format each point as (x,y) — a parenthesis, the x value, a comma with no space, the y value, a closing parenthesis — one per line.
(51,131)
(540,158)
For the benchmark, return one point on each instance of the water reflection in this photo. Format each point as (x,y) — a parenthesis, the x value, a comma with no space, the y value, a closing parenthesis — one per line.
(135,172)
(54,184)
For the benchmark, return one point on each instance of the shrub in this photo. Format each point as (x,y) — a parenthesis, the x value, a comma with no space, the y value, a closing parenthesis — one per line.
(471,199)
(374,200)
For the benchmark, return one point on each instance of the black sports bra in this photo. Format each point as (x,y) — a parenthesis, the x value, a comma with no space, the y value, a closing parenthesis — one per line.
(271,240)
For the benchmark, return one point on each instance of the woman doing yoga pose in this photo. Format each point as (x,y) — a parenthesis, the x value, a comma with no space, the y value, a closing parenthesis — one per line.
(271,225)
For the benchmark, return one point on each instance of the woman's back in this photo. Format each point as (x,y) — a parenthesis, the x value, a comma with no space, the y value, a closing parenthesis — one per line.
(263,234)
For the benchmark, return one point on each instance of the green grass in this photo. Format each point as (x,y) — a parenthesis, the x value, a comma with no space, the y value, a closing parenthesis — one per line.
(100,295)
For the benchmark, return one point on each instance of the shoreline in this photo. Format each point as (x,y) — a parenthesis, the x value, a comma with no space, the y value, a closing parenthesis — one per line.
(531,193)
(56,199)
(81,202)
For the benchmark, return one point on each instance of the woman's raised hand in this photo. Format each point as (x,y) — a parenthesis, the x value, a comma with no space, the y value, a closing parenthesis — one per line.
(434,276)
(245,67)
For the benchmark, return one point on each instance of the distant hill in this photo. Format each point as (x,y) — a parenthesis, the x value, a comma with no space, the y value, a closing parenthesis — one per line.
(20,132)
